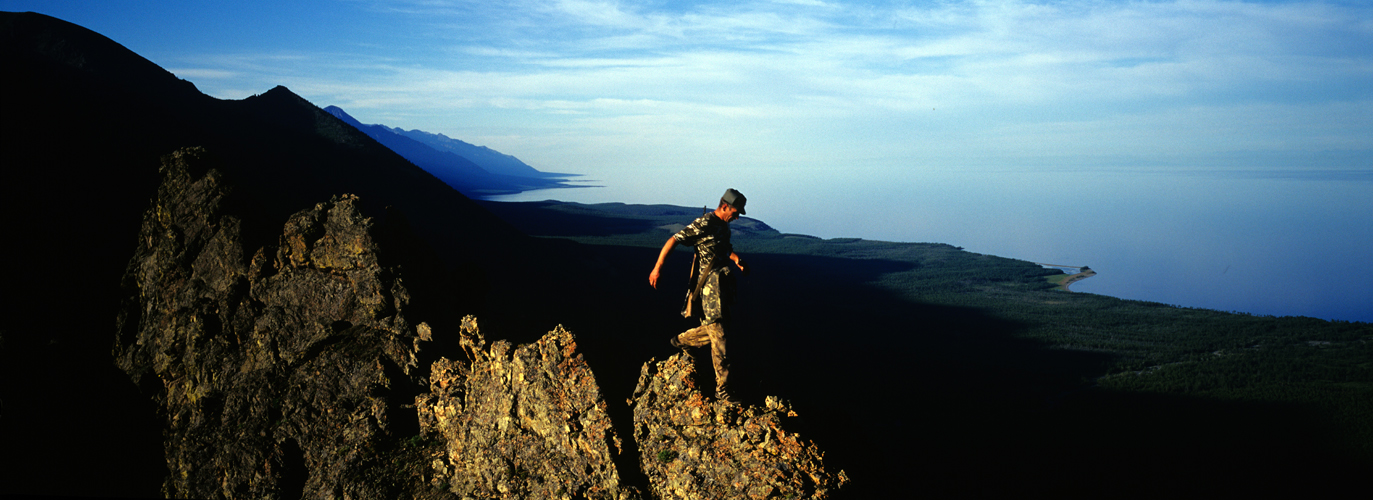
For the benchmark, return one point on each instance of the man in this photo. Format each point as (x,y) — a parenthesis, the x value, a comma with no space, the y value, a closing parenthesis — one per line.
(712,282)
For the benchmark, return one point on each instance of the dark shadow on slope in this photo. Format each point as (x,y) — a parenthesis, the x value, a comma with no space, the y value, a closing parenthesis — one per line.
(564,219)
(915,397)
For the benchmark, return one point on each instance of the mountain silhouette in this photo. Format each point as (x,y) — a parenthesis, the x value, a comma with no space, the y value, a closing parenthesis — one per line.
(450,167)
(489,159)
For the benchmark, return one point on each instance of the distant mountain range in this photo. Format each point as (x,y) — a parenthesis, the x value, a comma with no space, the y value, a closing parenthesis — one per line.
(488,159)
(473,170)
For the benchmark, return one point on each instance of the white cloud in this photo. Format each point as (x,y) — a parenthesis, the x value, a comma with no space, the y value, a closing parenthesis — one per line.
(203,73)
(815,82)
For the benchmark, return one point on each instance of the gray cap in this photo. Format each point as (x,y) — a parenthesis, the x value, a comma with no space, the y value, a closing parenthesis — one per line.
(735,199)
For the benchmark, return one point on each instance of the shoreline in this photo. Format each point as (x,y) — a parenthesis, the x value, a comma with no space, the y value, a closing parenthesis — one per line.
(1087,273)
(1083,273)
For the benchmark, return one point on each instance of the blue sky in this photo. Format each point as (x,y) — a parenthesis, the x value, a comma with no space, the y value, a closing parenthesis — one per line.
(600,87)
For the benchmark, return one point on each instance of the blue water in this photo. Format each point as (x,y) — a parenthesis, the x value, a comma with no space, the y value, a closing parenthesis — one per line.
(1281,243)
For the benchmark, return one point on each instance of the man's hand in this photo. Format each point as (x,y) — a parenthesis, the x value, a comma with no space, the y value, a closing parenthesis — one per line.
(662,256)
(739,261)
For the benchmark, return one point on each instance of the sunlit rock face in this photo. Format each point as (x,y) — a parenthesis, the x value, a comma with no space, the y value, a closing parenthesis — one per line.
(521,422)
(692,447)
(279,375)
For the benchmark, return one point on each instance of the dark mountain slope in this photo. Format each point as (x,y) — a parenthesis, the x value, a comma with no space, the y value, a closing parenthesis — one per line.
(83,123)
(82,141)
(97,129)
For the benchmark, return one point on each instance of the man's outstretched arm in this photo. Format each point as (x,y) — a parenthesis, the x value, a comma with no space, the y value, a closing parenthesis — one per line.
(662,256)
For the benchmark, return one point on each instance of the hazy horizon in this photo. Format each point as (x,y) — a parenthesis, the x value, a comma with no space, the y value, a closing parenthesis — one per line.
(1263,243)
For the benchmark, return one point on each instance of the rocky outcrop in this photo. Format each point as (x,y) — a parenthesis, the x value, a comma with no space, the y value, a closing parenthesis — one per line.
(281,375)
(691,447)
(521,422)
(297,373)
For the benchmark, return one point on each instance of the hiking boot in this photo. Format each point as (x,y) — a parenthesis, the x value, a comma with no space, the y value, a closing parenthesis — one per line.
(725,396)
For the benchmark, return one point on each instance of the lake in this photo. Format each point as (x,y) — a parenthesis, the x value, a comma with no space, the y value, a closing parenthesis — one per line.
(1265,242)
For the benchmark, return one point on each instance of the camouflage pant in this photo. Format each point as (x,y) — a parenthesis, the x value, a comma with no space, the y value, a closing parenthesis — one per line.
(714,336)
(717,296)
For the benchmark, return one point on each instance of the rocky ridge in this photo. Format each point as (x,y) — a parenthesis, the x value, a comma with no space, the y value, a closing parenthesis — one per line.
(297,372)
(278,375)
(521,421)
(691,447)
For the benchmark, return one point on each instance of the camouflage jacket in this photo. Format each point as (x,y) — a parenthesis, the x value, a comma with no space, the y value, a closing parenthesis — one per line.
(710,236)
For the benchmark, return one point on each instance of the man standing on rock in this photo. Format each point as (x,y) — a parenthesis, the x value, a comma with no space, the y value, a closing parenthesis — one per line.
(712,282)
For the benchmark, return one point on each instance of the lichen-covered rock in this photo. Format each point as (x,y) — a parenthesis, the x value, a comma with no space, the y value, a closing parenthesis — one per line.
(280,376)
(691,447)
(527,422)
